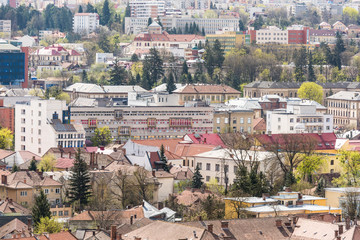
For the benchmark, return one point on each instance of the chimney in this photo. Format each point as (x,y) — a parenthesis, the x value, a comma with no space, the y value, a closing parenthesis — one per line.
(186,174)
(294,220)
(113,232)
(200,218)
(3,179)
(29,224)
(204,140)
(336,233)
(347,223)
(118,236)
(224,224)
(153,173)
(210,228)
(341,229)
(24,180)
(278,222)
(322,217)
(69,154)
(338,217)
(115,149)
(102,167)
(94,233)
(338,238)
(131,220)
(51,176)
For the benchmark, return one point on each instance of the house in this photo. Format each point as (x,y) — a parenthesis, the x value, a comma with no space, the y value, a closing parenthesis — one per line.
(7,158)
(318,36)
(336,196)
(10,208)
(166,184)
(23,186)
(353,31)
(339,26)
(181,173)
(207,138)
(48,236)
(15,228)
(325,25)
(61,210)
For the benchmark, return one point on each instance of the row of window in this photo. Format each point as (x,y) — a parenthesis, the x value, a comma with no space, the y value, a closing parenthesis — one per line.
(226,120)
(60,213)
(217,167)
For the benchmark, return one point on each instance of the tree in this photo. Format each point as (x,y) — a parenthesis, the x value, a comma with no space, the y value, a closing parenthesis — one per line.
(153,64)
(80,9)
(123,188)
(351,204)
(300,64)
(102,136)
(311,91)
(311,74)
(185,68)
(170,85)
(197,178)
(47,163)
(149,21)
(145,80)
(48,225)
(241,25)
(128,10)
(41,208)
(105,14)
(14,168)
(6,138)
(310,165)
(320,188)
(258,23)
(218,53)
(90,8)
(213,207)
(79,191)
(117,74)
(32,166)
(163,158)
(350,175)
(84,77)
(339,48)
(134,58)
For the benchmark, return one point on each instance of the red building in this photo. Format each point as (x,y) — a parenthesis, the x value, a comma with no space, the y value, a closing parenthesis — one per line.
(25,50)
(7,115)
(298,35)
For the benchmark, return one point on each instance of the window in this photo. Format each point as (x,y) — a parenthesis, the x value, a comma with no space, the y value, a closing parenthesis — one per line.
(57,190)
(217,120)
(218,129)
(23,193)
(241,120)
(291,128)
(39,141)
(279,119)
(207,178)
(46,191)
(235,169)
(327,119)
(23,147)
(22,129)
(332,162)
(279,127)
(54,213)
(57,201)
(39,131)
(23,120)
(249,120)
(22,111)
(327,128)
(39,150)
(217,167)
(39,122)
(60,213)
(39,113)
(23,138)
(291,120)
(199,165)
(208,166)
(234,120)
(66,213)
(226,120)
(226,168)
(217,179)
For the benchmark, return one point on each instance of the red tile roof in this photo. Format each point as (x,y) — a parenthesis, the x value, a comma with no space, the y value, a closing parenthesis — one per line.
(52,236)
(192,149)
(5,153)
(91,149)
(325,141)
(64,163)
(27,155)
(120,214)
(169,144)
(259,124)
(167,37)
(206,138)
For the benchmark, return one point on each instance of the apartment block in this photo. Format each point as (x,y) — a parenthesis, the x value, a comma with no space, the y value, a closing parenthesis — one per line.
(228,120)
(298,118)
(271,34)
(5,29)
(85,23)
(39,126)
(12,62)
(229,39)
(147,8)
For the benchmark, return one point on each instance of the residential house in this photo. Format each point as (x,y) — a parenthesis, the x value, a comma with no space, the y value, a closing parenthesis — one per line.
(48,236)
(336,196)
(63,211)
(23,186)
(15,228)
(85,23)
(322,36)
(353,31)
(206,92)
(229,119)
(339,26)
(7,156)
(10,208)
(166,184)
(325,25)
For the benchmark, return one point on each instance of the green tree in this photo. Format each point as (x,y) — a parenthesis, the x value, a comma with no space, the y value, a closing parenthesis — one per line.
(145,80)
(209,59)
(218,53)
(258,23)
(128,10)
(163,158)
(32,166)
(312,91)
(153,64)
(197,178)
(311,74)
(80,9)
(300,60)
(47,163)
(6,138)
(310,165)
(84,77)
(339,48)
(185,69)
(242,25)
(350,174)
(320,188)
(40,209)
(117,74)
(90,8)
(105,14)
(138,78)
(48,225)
(149,21)
(14,168)
(80,188)
(170,85)
(134,58)
(102,136)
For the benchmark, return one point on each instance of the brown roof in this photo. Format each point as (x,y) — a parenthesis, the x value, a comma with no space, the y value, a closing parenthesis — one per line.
(111,215)
(189,197)
(169,144)
(207,88)
(159,230)
(259,124)
(15,226)
(181,173)
(249,229)
(52,236)
(26,155)
(9,206)
(192,149)
(308,229)
(26,179)
(5,153)
(126,228)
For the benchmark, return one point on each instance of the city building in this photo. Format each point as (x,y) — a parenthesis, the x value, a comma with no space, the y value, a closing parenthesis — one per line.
(85,23)
(147,8)
(345,108)
(12,62)
(228,119)
(7,115)
(318,36)
(143,122)
(229,39)
(325,26)
(23,186)
(336,196)
(339,27)
(206,92)
(41,125)
(298,34)
(298,119)
(90,90)
(5,29)
(271,34)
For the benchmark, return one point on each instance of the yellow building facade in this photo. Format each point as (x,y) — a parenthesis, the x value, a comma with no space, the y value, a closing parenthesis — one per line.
(229,40)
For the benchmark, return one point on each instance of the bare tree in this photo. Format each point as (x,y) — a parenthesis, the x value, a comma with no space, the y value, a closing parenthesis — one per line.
(123,187)
(144,184)
(350,204)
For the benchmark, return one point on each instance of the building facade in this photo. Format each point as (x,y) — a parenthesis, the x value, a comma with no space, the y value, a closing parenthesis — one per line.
(5,29)
(271,35)
(85,23)
(229,40)
(228,120)
(147,8)
(12,65)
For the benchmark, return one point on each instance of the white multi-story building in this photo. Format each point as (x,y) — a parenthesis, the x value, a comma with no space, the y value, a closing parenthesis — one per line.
(5,28)
(298,118)
(39,126)
(147,8)
(271,34)
(85,23)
